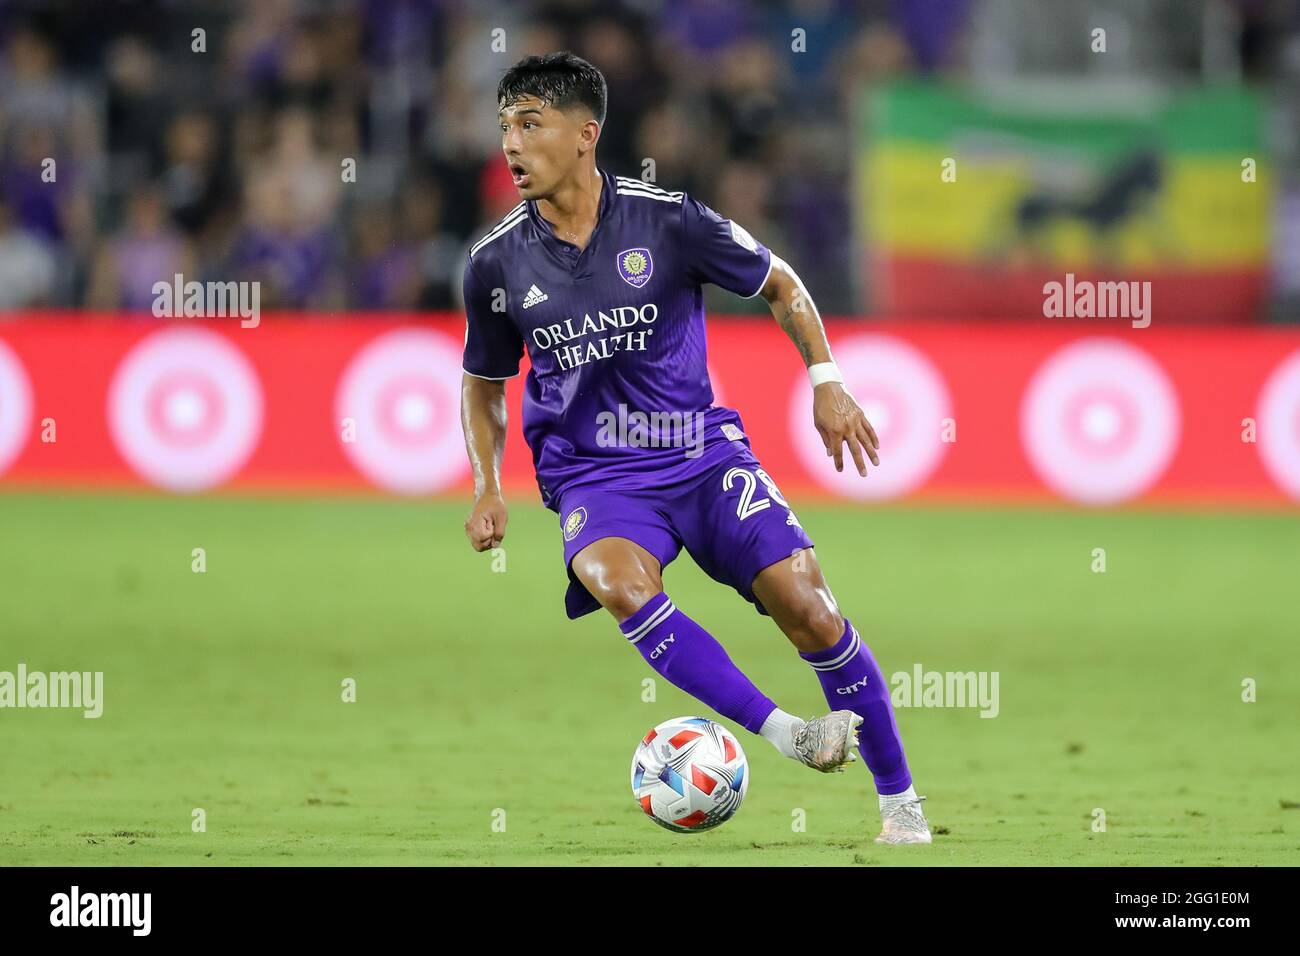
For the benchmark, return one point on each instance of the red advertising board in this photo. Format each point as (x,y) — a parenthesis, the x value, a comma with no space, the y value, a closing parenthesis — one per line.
(1097,413)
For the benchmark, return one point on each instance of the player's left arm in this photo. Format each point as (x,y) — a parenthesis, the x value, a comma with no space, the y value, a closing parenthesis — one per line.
(837,416)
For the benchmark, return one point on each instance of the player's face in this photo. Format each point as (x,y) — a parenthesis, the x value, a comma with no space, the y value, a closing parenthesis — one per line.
(541,144)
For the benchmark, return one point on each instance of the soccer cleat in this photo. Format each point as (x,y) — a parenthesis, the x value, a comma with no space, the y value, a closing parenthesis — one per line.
(904,823)
(828,743)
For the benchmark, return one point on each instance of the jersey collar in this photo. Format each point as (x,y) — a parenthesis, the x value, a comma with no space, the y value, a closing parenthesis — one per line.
(567,249)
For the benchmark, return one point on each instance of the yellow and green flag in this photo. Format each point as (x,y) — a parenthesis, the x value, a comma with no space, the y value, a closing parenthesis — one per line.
(969,204)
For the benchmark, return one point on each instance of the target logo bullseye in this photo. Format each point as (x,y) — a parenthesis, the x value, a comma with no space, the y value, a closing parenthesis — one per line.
(1100,421)
(185,409)
(1277,417)
(15,406)
(402,395)
(906,400)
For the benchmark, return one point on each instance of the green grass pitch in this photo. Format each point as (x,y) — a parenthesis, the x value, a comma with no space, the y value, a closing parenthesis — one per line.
(223,690)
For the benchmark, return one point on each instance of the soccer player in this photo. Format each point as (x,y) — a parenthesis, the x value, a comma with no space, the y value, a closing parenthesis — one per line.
(599,277)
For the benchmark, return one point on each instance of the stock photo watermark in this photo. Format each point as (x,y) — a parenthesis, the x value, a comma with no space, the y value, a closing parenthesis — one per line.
(622,428)
(55,690)
(75,908)
(942,689)
(179,299)
(1085,299)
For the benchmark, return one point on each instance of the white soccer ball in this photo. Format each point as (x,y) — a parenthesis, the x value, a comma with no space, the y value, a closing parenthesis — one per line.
(689,774)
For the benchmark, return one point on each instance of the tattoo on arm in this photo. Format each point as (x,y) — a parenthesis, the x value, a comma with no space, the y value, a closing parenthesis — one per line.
(795,312)
(791,329)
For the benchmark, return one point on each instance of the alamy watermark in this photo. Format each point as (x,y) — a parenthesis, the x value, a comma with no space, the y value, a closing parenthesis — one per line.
(130,910)
(208,300)
(621,428)
(922,688)
(83,690)
(1085,299)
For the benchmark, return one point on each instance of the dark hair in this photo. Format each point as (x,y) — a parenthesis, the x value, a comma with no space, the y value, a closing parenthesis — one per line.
(557,79)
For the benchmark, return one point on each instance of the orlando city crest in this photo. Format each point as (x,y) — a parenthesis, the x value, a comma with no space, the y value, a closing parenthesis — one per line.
(573,524)
(635,266)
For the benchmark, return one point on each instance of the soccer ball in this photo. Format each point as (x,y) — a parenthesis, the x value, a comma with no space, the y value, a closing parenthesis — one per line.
(689,774)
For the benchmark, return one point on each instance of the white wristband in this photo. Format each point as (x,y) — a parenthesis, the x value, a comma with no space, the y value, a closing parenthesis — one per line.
(824,372)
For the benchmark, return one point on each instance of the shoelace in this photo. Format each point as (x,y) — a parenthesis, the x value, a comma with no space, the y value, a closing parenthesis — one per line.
(908,814)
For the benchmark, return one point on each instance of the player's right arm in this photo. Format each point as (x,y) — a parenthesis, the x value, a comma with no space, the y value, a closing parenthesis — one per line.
(493,348)
(483,419)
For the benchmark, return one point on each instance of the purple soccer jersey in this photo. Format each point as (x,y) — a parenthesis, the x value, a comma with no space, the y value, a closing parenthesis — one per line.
(618,393)
(618,408)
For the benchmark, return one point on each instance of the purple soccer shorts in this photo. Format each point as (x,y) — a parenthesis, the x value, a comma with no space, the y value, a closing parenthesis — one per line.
(730,518)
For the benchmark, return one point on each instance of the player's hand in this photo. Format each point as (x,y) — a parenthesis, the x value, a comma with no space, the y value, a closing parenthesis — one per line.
(486,524)
(839,420)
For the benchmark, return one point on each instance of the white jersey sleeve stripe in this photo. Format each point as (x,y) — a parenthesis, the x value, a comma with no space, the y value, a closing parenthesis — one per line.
(499,230)
(642,184)
(667,197)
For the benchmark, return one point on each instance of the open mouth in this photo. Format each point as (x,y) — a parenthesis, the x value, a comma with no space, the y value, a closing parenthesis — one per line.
(519,175)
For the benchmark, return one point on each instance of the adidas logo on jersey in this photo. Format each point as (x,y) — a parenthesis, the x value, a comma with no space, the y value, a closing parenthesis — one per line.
(534,296)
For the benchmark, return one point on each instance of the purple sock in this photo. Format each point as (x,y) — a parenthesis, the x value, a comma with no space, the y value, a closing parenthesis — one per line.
(687,655)
(851,680)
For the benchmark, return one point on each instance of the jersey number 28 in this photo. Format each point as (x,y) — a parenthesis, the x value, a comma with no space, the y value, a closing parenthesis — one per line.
(748,504)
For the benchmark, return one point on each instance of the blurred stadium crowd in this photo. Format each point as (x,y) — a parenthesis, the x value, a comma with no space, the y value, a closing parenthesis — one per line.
(226,162)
